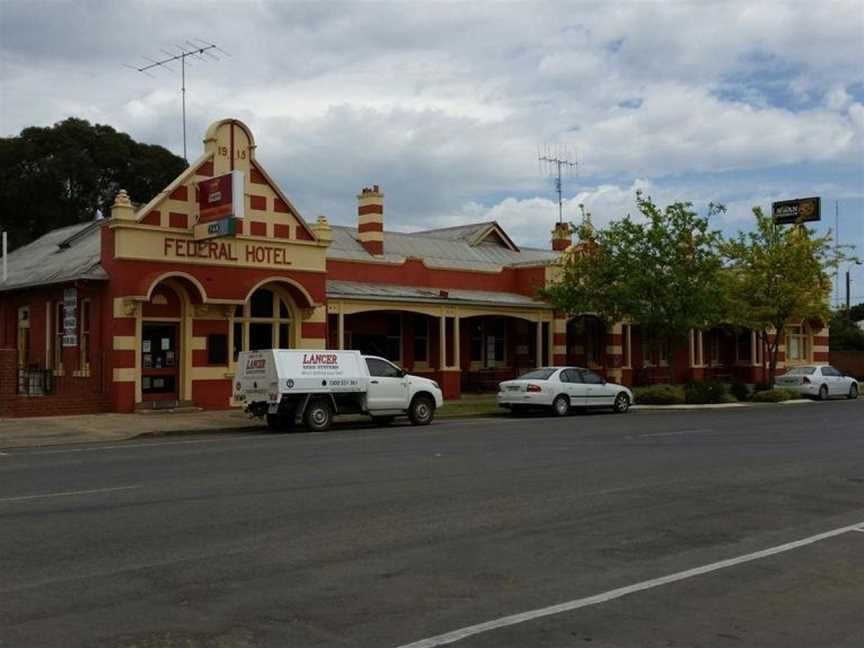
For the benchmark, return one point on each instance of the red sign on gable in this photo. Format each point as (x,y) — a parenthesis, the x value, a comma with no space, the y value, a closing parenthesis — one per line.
(221,197)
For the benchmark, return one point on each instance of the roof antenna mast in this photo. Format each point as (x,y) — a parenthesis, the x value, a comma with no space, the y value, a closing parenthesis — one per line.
(555,162)
(200,50)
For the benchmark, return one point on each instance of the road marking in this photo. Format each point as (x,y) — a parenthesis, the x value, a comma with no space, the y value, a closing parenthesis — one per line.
(43,450)
(68,493)
(677,432)
(859,530)
(522,617)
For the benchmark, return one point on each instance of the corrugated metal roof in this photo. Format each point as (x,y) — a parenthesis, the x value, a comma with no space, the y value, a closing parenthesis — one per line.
(436,251)
(376,291)
(63,254)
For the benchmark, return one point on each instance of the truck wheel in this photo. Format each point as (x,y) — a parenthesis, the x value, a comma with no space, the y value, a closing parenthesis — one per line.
(422,410)
(318,415)
(383,420)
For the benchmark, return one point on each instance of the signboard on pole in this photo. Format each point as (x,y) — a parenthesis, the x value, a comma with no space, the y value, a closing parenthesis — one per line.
(70,317)
(800,210)
(220,200)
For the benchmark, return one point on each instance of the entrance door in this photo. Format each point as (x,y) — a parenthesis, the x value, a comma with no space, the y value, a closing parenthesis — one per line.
(160,360)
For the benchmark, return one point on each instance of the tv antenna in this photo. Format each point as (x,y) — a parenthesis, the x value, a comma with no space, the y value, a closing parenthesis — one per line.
(557,162)
(199,50)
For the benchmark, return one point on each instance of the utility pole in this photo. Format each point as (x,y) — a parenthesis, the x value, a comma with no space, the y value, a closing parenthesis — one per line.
(199,50)
(557,163)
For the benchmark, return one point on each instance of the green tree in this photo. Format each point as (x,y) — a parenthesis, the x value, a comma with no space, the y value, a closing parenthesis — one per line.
(660,271)
(777,275)
(845,333)
(60,175)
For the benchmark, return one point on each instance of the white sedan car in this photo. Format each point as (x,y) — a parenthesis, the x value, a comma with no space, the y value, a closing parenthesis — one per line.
(561,388)
(818,381)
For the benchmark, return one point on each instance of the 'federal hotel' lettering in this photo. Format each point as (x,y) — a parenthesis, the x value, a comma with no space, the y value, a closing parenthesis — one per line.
(224,251)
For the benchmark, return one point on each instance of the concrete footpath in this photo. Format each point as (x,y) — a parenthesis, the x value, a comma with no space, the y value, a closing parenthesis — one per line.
(96,428)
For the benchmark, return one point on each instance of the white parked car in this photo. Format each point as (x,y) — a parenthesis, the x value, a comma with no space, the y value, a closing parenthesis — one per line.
(562,388)
(818,381)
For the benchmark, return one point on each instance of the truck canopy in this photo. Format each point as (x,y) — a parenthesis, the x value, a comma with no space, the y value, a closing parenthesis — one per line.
(276,371)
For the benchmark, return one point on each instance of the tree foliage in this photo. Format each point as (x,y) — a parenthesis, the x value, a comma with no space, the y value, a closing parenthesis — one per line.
(660,271)
(846,335)
(777,275)
(60,175)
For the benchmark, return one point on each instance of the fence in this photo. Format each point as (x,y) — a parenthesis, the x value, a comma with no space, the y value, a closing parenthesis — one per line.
(849,362)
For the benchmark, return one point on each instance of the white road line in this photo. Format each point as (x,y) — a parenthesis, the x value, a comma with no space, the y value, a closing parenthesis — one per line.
(68,493)
(522,617)
(43,450)
(677,432)
(859,530)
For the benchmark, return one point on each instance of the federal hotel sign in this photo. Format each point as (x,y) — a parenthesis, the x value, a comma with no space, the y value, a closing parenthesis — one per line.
(232,251)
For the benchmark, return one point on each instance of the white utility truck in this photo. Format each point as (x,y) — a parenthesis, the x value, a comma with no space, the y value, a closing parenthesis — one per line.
(288,386)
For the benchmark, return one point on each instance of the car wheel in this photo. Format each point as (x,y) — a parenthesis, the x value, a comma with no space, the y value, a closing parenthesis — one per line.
(853,392)
(383,420)
(318,415)
(622,403)
(561,406)
(823,392)
(422,410)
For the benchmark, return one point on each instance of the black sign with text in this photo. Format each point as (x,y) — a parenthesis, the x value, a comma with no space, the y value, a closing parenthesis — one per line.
(801,210)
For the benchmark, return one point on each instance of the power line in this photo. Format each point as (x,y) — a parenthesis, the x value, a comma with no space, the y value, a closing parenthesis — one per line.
(199,51)
(556,163)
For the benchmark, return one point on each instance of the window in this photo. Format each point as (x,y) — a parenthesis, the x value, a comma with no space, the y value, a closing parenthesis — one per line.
(489,342)
(538,374)
(831,372)
(263,322)
(663,352)
(421,338)
(217,349)
(84,336)
(714,348)
(570,376)
(591,378)
(382,369)
(385,340)
(477,341)
(797,344)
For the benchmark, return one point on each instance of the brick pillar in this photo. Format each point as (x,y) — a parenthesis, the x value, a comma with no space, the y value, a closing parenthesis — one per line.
(559,340)
(615,353)
(370,219)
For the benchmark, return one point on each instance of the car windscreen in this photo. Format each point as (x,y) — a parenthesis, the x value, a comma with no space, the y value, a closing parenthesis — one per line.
(801,371)
(537,374)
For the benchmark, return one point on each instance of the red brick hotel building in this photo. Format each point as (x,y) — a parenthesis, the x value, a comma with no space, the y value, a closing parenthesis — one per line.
(151,306)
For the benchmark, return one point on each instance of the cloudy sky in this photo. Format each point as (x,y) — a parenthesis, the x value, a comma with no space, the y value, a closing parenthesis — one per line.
(445,104)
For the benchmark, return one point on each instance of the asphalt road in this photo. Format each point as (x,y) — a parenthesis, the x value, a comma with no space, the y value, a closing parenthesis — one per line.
(387,536)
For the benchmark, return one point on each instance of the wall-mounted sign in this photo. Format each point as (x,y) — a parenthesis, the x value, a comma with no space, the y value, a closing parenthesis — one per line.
(221,197)
(70,318)
(800,210)
(214,229)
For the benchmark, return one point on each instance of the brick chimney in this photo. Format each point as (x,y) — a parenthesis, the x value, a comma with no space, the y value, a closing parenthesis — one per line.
(562,238)
(370,219)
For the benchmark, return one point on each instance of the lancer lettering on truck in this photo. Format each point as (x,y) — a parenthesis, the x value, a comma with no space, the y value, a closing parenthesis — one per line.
(286,387)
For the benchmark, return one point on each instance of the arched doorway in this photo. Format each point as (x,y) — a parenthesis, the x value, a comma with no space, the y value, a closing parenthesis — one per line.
(267,320)
(161,342)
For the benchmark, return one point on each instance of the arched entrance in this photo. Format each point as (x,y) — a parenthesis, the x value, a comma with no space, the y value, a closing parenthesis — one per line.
(161,343)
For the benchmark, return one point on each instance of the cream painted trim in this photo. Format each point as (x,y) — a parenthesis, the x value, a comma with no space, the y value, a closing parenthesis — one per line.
(371,236)
(312,343)
(560,349)
(127,374)
(199,343)
(819,348)
(318,316)
(125,343)
(559,325)
(209,373)
(364,219)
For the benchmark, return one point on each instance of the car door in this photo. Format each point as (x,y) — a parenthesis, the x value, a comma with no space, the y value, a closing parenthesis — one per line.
(388,387)
(836,382)
(596,392)
(571,383)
